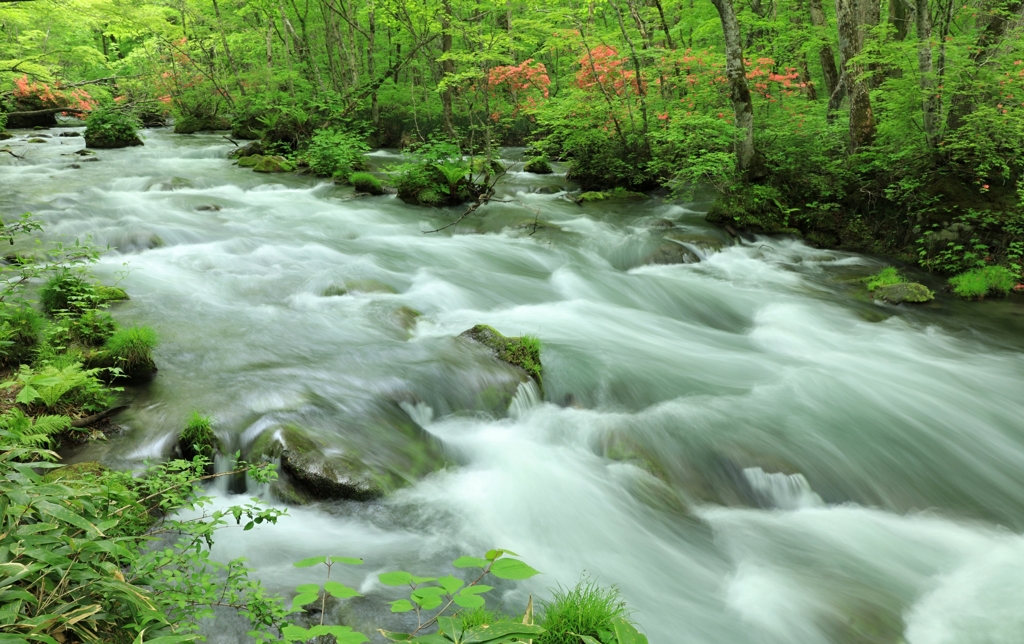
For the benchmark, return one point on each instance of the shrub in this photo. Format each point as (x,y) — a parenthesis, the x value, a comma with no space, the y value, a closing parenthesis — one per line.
(979,282)
(93,328)
(198,438)
(67,292)
(20,327)
(437,176)
(886,277)
(366,182)
(587,609)
(131,350)
(110,128)
(336,153)
(538,165)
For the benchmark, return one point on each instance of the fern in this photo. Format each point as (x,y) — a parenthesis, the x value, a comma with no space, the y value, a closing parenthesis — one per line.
(25,431)
(50,384)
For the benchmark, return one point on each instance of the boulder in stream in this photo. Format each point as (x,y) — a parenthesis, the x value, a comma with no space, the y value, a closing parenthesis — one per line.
(101,142)
(910,292)
(249,150)
(671,252)
(538,165)
(273,164)
(522,352)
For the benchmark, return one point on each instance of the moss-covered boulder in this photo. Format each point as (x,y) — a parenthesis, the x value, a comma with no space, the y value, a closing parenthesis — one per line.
(36,139)
(75,472)
(366,182)
(363,460)
(188,124)
(538,165)
(108,294)
(252,149)
(616,194)
(110,143)
(250,161)
(273,164)
(522,352)
(910,292)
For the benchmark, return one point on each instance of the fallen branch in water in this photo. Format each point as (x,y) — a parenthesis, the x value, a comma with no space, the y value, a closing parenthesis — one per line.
(481,200)
(49,110)
(95,418)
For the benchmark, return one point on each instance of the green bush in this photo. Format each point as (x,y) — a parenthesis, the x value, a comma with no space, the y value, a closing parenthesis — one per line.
(93,328)
(886,277)
(586,609)
(20,328)
(111,128)
(538,165)
(366,182)
(67,292)
(131,350)
(438,175)
(979,282)
(336,153)
(198,438)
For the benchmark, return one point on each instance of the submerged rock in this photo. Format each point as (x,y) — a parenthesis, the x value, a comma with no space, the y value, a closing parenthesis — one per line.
(252,149)
(522,352)
(36,140)
(249,161)
(618,193)
(108,143)
(352,287)
(671,252)
(911,292)
(538,165)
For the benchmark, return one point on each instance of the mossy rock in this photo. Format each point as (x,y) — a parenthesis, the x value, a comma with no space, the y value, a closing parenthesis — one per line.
(704,242)
(671,252)
(75,472)
(353,287)
(405,317)
(522,352)
(36,139)
(538,165)
(107,143)
(366,182)
(910,292)
(250,161)
(70,134)
(4,136)
(273,164)
(481,165)
(616,194)
(192,124)
(84,152)
(106,294)
(252,149)
(198,439)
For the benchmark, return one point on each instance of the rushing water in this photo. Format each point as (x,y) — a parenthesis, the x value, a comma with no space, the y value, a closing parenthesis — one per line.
(828,469)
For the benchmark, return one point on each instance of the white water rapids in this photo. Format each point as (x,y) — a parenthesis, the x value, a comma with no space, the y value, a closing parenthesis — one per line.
(829,470)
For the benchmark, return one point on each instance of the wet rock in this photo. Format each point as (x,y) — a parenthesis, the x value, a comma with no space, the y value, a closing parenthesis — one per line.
(250,161)
(5,136)
(703,242)
(522,352)
(538,165)
(910,292)
(273,164)
(108,143)
(107,294)
(361,462)
(84,152)
(90,159)
(43,136)
(174,183)
(75,166)
(616,194)
(405,317)
(36,139)
(208,208)
(252,149)
(550,190)
(354,287)
(671,252)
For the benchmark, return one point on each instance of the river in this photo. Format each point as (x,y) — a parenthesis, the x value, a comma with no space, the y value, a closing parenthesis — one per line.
(825,469)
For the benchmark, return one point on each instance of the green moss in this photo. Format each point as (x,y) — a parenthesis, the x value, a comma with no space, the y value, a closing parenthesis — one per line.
(198,438)
(131,349)
(273,164)
(250,161)
(522,352)
(75,472)
(904,292)
(538,165)
(591,196)
(979,282)
(106,294)
(366,182)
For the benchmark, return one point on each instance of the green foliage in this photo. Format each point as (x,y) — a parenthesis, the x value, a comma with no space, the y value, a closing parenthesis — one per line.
(335,152)
(131,350)
(538,165)
(587,609)
(111,128)
(198,437)
(366,182)
(888,276)
(34,432)
(67,291)
(60,388)
(93,328)
(20,329)
(979,282)
(437,175)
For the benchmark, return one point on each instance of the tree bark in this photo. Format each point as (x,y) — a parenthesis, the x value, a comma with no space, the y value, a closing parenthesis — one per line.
(851,17)
(825,53)
(447,68)
(739,93)
(929,99)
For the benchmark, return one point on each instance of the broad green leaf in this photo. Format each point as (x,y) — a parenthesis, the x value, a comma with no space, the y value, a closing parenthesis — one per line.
(469,601)
(401,606)
(494,554)
(295,634)
(307,594)
(428,598)
(395,637)
(470,562)
(340,591)
(479,589)
(450,627)
(312,561)
(63,514)
(586,639)
(351,561)
(422,580)
(512,569)
(626,633)
(492,632)
(397,578)
(450,584)
(433,638)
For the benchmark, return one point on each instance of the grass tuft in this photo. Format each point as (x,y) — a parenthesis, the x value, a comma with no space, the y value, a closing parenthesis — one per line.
(131,349)
(366,182)
(198,438)
(979,282)
(587,609)
(886,277)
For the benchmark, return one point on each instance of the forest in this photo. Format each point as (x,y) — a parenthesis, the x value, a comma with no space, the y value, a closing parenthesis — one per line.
(886,135)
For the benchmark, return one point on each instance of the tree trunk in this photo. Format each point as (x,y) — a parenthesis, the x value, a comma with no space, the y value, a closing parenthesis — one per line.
(825,54)
(370,63)
(739,93)
(899,19)
(850,18)
(227,52)
(448,68)
(929,99)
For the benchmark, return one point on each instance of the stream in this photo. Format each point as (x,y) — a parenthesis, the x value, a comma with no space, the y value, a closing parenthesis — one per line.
(751,449)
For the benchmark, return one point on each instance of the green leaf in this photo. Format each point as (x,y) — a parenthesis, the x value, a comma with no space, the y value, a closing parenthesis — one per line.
(469,601)
(397,578)
(63,514)
(433,638)
(295,634)
(493,632)
(402,606)
(512,569)
(351,561)
(450,627)
(626,633)
(307,594)
(422,580)
(494,554)
(340,591)
(450,584)
(395,637)
(470,562)
(479,589)
(586,638)
(312,561)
